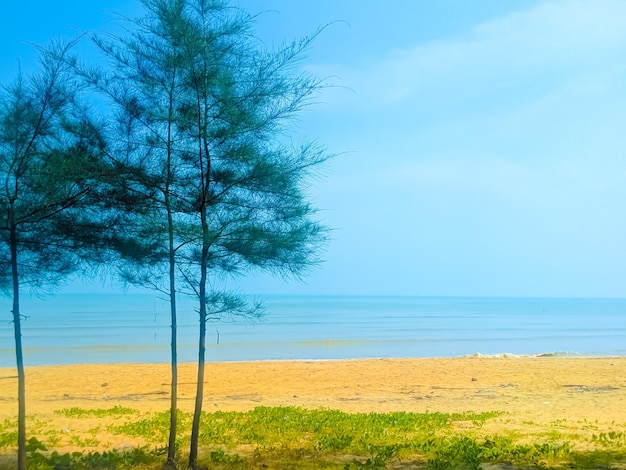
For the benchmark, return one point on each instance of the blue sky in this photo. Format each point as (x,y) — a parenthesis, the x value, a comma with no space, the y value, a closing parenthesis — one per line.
(482,147)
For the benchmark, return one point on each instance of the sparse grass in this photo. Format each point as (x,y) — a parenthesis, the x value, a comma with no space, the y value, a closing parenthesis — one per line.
(288,437)
(76,412)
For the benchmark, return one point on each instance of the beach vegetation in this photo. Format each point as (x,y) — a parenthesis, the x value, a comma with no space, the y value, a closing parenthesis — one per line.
(40,459)
(289,437)
(8,438)
(76,412)
(610,439)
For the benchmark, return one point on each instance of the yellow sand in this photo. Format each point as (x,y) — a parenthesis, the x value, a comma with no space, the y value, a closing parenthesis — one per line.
(534,392)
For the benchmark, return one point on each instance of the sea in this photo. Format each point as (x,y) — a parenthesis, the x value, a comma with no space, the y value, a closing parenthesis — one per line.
(116,328)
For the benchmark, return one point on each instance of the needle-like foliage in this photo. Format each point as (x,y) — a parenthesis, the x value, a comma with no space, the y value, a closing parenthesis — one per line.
(50,210)
(199,117)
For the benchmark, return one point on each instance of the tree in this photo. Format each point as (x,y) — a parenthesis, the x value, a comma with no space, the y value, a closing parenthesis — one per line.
(202,118)
(246,207)
(140,85)
(45,195)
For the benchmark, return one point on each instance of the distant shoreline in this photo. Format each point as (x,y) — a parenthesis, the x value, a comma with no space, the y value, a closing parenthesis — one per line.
(504,355)
(547,355)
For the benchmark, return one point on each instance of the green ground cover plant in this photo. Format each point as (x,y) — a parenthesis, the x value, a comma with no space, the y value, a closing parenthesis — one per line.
(291,437)
(76,412)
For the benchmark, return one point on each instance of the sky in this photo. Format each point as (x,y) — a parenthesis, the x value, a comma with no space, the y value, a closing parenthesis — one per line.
(480,146)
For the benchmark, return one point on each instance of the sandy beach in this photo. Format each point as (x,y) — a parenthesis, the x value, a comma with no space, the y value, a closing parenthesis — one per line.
(533,393)
(544,388)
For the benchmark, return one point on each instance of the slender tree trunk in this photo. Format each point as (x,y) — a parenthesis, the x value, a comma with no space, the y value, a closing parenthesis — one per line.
(171,446)
(195,429)
(205,173)
(171,449)
(21,381)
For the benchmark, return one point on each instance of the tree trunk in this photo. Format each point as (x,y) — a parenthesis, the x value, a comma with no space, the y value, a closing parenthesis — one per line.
(21,381)
(171,447)
(195,429)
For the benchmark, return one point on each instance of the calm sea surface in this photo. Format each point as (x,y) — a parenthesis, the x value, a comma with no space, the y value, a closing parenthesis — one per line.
(106,328)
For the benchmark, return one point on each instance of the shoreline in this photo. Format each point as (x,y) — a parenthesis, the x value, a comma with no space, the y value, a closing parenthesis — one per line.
(476,355)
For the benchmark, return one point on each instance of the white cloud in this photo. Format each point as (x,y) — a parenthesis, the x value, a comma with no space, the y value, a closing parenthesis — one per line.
(523,49)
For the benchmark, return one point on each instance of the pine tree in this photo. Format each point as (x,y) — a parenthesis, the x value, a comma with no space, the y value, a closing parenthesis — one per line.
(203,115)
(140,86)
(47,199)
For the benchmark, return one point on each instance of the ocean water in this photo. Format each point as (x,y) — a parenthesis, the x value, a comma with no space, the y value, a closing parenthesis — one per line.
(108,328)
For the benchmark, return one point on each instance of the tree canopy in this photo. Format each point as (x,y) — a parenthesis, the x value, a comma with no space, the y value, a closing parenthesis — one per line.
(188,179)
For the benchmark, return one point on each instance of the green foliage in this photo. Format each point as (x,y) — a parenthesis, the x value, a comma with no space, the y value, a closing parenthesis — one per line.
(154,428)
(219,456)
(610,439)
(8,438)
(115,459)
(76,412)
(378,459)
(8,433)
(290,437)
(38,459)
